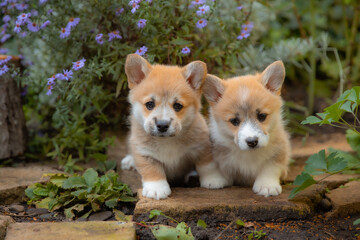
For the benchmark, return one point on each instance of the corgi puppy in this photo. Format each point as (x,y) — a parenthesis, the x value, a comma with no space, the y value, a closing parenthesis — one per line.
(250,143)
(169,137)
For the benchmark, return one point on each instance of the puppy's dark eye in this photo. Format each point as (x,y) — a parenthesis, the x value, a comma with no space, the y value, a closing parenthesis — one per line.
(150,105)
(235,121)
(261,116)
(177,107)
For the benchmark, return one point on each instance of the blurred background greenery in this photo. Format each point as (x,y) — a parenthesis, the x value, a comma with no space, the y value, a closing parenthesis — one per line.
(319,42)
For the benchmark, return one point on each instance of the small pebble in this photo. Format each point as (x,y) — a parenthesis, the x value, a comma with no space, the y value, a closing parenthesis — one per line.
(100,216)
(36,211)
(17,208)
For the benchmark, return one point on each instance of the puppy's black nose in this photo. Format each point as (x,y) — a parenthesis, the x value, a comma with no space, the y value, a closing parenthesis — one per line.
(252,141)
(162,125)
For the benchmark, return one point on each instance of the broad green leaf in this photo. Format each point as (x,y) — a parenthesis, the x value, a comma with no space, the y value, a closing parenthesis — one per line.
(353,96)
(183,227)
(311,120)
(316,164)
(74,182)
(201,223)
(240,223)
(334,112)
(99,156)
(125,198)
(357,221)
(58,180)
(347,106)
(302,181)
(69,212)
(154,213)
(44,203)
(163,232)
(354,140)
(120,216)
(111,203)
(29,192)
(90,176)
(335,163)
(79,193)
(41,191)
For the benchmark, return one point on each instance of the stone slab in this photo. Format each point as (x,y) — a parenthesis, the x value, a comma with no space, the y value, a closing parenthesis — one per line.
(4,223)
(190,204)
(110,230)
(13,181)
(345,201)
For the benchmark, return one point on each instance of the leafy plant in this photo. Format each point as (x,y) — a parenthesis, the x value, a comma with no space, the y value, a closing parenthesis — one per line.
(79,195)
(201,223)
(256,234)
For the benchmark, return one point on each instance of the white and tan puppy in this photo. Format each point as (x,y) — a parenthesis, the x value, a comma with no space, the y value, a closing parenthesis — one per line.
(250,143)
(169,137)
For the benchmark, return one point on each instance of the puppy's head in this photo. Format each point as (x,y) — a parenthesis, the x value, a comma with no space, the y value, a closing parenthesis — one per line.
(247,108)
(164,98)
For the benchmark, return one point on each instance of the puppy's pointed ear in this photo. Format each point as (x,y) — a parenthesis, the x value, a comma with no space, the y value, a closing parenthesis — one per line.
(195,73)
(213,88)
(273,77)
(136,69)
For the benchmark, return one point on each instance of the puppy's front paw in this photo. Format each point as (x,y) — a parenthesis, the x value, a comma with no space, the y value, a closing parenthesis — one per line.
(213,181)
(156,189)
(269,188)
(128,163)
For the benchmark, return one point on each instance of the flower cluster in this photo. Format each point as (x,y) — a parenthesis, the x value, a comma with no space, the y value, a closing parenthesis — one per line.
(66,75)
(245,30)
(65,32)
(112,35)
(202,10)
(3,67)
(24,19)
(141,51)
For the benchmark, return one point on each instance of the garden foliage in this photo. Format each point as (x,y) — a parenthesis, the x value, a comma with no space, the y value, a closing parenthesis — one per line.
(79,195)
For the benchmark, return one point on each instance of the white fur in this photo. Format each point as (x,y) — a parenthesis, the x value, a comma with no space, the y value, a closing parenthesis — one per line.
(210,177)
(248,130)
(156,189)
(267,182)
(128,163)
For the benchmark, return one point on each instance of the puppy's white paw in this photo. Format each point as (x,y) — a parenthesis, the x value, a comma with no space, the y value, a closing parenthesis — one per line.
(213,181)
(128,163)
(156,189)
(266,189)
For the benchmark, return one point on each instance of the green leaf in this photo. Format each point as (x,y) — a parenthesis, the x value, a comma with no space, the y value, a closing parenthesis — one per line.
(90,176)
(120,216)
(303,181)
(58,180)
(29,192)
(163,232)
(154,213)
(41,191)
(74,182)
(347,106)
(180,41)
(69,212)
(126,198)
(111,203)
(354,140)
(240,223)
(44,203)
(357,221)
(311,120)
(316,164)
(201,223)
(334,163)
(99,156)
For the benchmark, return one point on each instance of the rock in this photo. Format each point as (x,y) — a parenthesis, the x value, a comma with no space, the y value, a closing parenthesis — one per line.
(345,200)
(189,204)
(325,204)
(12,120)
(16,208)
(13,181)
(100,216)
(37,211)
(110,230)
(46,216)
(4,223)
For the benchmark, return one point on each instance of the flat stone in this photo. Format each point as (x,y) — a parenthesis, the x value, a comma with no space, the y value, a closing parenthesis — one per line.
(4,223)
(37,211)
(16,208)
(100,216)
(189,204)
(345,201)
(13,181)
(111,230)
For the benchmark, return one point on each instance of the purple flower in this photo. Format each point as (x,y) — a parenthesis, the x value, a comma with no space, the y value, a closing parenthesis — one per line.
(185,51)
(5,37)
(64,32)
(6,18)
(131,2)
(198,2)
(4,69)
(247,27)
(201,23)
(99,39)
(79,64)
(60,76)
(50,11)
(42,1)
(49,91)
(23,34)
(141,51)
(141,23)
(67,74)
(239,8)
(21,6)
(34,12)
(45,24)
(22,18)
(114,34)
(3,50)
(73,22)
(33,27)
(17,28)
(51,80)
(202,10)
(243,35)
(134,6)
(119,11)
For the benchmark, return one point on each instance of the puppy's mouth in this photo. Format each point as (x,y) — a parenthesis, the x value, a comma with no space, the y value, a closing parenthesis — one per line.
(162,135)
